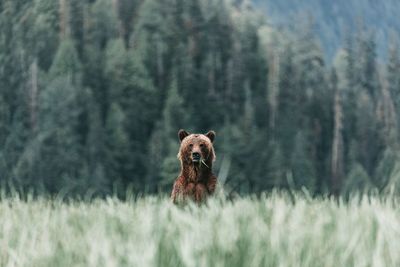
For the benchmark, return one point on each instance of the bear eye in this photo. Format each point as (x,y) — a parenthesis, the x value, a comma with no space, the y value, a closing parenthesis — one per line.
(201,145)
(190,145)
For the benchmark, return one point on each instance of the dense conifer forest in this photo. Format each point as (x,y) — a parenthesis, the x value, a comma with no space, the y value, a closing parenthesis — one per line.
(92,94)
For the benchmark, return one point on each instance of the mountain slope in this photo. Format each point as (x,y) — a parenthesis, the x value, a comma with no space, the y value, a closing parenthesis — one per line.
(334,18)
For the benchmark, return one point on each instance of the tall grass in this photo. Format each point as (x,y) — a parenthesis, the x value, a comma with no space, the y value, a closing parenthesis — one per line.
(267,231)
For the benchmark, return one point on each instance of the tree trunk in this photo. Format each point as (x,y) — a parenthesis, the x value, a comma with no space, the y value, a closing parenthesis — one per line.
(33,93)
(64,19)
(337,146)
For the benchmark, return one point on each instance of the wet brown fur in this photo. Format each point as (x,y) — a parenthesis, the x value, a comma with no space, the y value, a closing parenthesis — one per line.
(196,180)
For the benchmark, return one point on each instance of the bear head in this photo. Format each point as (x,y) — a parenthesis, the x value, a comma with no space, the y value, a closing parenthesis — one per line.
(196,148)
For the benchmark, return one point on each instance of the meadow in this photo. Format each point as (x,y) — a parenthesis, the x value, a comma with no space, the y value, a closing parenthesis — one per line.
(271,230)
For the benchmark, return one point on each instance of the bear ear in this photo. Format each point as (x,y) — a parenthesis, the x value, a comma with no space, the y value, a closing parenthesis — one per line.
(211,135)
(182,134)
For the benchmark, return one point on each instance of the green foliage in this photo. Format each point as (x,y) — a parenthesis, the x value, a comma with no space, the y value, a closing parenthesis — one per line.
(117,143)
(95,149)
(393,185)
(60,149)
(103,24)
(66,63)
(44,34)
(92,94)
(388,172)
(358,180)
(393,77)
(174,117)
(386,167)
(301,165)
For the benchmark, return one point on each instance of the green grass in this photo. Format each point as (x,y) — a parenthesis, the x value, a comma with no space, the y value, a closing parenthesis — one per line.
(270,231)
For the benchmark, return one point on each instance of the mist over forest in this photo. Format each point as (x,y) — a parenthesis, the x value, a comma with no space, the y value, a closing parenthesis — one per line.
(93,93)
(334,20)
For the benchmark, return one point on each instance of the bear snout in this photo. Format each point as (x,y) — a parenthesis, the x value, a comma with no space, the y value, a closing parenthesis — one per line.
(196,156)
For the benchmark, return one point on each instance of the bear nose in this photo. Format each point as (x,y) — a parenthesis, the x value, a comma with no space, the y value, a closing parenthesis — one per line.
(196,155)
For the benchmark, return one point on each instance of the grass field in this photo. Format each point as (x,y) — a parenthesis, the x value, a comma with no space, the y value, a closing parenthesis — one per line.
(268,231)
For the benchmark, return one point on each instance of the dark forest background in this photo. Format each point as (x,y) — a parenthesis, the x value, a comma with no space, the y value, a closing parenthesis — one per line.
(92,94)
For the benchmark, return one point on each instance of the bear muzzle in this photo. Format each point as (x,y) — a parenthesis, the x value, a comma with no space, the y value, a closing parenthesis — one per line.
(196,157)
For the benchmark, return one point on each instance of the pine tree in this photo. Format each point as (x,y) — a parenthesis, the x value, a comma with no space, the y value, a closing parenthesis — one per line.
(117,146)
(345,62)
(315,96)
(15,59)
(66,63)
(174,118)
(101,27)
(366,71)
(58,135)
(393,79)
(133,91)
(367,95)
(44,35)
(337,165)
(3,121)
(386,168)
(95,150)
(127,11)
(60,148)
(155,38)
(287,121)
(244,138)
(302,170)
(357,180)
(276,169)
(254,67)
(368,135)
(76,9)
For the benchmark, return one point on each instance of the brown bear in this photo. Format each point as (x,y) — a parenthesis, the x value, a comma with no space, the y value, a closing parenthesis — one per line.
(196,180)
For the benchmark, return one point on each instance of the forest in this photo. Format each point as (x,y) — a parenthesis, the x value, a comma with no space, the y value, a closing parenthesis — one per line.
(333,20)
(93,93)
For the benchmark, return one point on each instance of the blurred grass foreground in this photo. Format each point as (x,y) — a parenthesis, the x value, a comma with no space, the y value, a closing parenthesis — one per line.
(274,230)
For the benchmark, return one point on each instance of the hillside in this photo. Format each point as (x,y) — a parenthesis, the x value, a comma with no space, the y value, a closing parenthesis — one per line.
(334,18)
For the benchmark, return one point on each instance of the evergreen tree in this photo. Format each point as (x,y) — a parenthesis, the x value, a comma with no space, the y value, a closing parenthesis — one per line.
(101,28)
(133,91)
(337,165)
(303,171)
(174,117)
(386,169)
(3,120)
(92,94)
(44,34)
(393,78)
(357,180)
(95,150)
(117,146)
(76,9)
(369,142)
(15,59)
(155,38)
(58,134)
(287,121)
(66,63)
(366,71)
(316,98)
(127,10)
